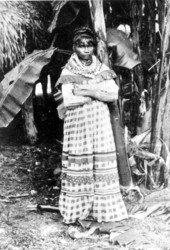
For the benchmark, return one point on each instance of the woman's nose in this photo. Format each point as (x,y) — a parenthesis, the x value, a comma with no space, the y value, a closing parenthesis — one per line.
(86,48)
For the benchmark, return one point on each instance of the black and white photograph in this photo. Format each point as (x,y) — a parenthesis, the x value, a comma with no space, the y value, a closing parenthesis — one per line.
(84,134)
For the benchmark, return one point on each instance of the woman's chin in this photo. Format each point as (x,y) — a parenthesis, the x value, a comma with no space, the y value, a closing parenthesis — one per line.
(85,58)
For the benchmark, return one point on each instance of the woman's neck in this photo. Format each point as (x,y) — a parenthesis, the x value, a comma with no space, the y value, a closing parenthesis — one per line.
(86,62)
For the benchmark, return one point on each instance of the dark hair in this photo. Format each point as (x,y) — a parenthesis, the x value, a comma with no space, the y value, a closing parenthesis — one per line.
(83,32)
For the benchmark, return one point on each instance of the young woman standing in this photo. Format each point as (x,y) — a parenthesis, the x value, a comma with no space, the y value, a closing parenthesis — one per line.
(90,181)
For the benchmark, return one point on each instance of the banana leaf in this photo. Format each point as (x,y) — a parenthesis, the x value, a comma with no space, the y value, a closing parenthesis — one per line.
(18,84)
(125,56)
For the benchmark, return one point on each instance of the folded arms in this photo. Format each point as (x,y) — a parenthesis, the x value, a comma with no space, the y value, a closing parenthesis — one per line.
(105,91)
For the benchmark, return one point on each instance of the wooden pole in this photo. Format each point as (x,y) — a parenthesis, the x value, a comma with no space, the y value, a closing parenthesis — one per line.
(29,123)
(97,15)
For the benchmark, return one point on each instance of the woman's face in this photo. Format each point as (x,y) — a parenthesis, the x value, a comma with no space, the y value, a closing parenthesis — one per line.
(84,49)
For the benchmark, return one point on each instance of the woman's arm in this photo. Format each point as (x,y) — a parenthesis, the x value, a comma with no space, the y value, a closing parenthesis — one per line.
(106,91)
(70,99)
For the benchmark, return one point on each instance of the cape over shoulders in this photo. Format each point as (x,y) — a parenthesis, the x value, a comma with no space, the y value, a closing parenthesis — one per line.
(69,77)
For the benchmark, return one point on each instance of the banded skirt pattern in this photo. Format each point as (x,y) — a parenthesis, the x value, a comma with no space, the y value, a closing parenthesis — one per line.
(90,182)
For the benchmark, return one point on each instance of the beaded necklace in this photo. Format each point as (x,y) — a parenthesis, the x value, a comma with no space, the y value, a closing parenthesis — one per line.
(88,69)
(86,62)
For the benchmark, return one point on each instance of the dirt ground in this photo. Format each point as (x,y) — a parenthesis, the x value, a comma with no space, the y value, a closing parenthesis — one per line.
(28,176)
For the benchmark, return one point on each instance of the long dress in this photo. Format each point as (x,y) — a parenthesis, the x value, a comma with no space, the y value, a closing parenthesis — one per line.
(89,179)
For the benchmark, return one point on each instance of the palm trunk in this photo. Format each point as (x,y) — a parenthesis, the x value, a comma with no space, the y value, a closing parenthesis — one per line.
(96,8)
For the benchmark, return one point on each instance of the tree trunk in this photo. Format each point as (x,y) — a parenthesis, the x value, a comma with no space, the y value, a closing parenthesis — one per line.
(96,8)
(29,124)
(148,45)
(136,16)
(165,134)
(162,86)
(161,89)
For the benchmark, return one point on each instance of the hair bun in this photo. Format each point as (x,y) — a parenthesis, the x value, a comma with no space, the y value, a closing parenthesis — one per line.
(84,30)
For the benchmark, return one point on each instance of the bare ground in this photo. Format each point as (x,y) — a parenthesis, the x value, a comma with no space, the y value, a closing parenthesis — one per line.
(29,172)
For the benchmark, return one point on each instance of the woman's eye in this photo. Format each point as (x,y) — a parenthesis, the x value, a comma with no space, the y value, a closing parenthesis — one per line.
(85,46)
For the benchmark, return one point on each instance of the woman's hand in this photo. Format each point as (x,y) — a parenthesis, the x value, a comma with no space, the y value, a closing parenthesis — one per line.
(72,100)
(83,92)
(96,94)
(105,91)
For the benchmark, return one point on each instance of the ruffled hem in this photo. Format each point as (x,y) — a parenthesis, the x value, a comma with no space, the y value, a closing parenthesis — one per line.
(108,208)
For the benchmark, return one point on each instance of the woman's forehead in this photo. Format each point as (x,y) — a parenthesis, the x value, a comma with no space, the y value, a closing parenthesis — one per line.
(85,40)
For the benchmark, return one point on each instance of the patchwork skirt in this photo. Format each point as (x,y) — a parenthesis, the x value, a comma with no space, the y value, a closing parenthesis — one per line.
(89,179)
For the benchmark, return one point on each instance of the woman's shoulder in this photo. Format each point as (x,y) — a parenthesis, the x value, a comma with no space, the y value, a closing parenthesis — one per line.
(67,76)
(104,67)
(106,73)
(66,72)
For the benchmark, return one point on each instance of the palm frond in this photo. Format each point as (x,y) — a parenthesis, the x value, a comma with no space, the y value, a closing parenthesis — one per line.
(12,34)
(18,19)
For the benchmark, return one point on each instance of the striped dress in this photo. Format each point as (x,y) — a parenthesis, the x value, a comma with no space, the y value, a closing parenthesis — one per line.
(89,179)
